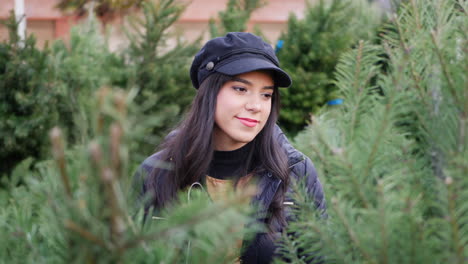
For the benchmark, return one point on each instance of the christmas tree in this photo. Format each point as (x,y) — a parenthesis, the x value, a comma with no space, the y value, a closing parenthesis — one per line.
(393,157)
(28,103)
(82,206)
(159,71)
(309,51)
(235,17)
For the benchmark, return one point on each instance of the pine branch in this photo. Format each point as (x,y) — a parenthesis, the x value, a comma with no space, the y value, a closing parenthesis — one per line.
(108,181)
(351,232)
(378,139)
(357,187)
(455,228)
(205,215)
(289,248)
(406,52)
(327,240)
(356,87)
(59,155)
(416,14)
(451,86)
(397,85)
(69,224)
(383,231)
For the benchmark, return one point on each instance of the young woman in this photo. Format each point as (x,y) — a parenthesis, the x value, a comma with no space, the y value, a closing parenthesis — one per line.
(230,138)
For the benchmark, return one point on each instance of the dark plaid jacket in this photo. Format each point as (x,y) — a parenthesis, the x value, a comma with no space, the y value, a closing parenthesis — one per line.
(261,249)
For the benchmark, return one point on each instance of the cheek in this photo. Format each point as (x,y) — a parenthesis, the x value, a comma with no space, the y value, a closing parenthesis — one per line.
(225,107)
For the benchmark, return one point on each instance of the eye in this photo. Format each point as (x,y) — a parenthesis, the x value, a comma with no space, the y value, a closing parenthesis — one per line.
(239,89)
(267,95)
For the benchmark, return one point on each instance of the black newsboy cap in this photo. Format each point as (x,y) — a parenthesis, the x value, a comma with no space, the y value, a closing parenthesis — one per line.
(236,53)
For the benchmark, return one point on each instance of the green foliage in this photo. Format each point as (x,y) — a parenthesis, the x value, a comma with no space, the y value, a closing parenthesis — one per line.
(160,73)
(392,158)
(78,71)
(28,100)
(312,47)
(77,208)
(42,88)
(235,17)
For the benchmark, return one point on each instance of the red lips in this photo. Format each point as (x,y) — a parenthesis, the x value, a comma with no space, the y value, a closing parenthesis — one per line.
(248,119)
(248,122)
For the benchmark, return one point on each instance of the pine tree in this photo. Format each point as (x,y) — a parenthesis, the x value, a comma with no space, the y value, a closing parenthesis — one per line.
(77,208)
(310,50)
(28,102)
(392,158)
(43,88)
(78,70)
(235,17)
(159,71)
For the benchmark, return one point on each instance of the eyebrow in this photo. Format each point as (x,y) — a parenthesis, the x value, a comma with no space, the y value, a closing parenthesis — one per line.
(237,79)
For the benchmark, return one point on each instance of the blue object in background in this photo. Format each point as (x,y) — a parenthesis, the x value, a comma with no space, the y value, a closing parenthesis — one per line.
(335,102)
(279,45)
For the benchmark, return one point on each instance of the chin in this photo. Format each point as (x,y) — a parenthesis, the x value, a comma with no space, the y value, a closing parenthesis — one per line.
(246,138)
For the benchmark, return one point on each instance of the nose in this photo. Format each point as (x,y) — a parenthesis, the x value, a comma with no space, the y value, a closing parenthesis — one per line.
(253,105)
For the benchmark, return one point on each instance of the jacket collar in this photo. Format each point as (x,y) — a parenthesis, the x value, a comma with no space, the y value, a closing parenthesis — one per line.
(293,155)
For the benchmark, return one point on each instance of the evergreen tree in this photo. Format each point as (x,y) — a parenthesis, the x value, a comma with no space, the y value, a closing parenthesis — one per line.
(310,50)
(235,17)
(43,88)
(392,158)
(76,208)
(28,100)
(78,70)
(159,71)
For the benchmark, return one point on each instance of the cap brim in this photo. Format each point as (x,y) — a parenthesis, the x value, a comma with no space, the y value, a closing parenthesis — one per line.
(244,65)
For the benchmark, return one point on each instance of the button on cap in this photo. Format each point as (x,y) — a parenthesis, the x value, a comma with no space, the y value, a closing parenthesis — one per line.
(210,65)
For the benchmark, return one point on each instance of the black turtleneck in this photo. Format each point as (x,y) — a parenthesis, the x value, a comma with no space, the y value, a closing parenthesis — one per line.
(228,164)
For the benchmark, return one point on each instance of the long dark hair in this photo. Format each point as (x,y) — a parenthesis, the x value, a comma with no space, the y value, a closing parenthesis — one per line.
(189,149)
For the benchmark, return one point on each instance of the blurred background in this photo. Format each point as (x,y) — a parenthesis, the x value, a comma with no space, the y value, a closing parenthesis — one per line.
(48,22)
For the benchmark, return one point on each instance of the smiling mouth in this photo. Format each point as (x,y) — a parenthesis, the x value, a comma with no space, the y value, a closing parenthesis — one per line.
(248,122)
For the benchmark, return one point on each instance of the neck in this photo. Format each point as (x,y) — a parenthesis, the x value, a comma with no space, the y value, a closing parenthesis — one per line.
(222,143)
(230,164)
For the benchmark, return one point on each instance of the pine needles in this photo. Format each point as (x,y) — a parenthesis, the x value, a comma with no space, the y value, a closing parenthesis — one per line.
(393,157)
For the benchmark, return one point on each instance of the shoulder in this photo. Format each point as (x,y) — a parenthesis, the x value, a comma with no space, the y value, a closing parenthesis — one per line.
(294,156)
(146,169)
(156,161)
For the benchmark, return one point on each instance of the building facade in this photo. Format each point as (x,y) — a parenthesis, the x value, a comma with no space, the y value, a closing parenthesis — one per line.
(48,23)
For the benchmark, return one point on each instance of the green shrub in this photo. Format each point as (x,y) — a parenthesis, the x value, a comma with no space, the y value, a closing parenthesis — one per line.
(311,49)
(159,72)
(235,17)
(43,88)
(395,193)
(28,99)
(78,70)
(78,207)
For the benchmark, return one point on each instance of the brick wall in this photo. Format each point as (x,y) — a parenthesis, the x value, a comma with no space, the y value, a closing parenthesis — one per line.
(48,23)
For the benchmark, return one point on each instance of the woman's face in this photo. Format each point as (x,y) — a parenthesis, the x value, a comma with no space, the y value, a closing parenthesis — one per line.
(242,109)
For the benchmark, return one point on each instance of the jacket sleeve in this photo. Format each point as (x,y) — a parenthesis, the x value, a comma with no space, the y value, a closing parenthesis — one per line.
(139,191)
(143,194)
